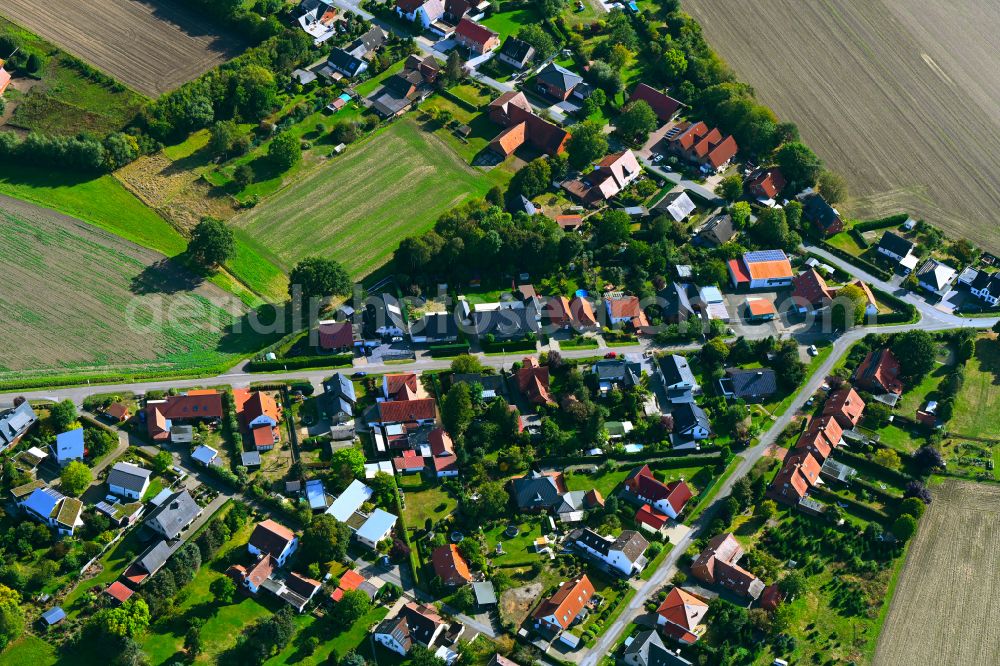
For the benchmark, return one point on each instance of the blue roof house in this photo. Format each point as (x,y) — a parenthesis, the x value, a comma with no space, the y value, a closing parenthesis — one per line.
(378,526)
(68,447)
(350,501)
(316,494)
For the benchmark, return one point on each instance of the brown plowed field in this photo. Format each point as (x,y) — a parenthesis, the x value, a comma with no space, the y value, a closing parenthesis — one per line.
(946,609)
(900,96)
(150,45)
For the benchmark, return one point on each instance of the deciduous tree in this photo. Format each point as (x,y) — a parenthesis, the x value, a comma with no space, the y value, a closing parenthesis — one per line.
(212,243)
(285,151)
(319,278)
(587,144)
(75,478)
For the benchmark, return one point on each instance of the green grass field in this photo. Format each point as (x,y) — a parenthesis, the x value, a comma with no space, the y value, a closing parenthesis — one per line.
(358,208)
(29,649)
(977,406)
(107,305)
(424,500)
(509,22)
(100,201)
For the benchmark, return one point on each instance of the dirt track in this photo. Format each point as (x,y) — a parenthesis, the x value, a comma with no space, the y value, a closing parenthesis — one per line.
(946,609)
(150,45)
(900,96)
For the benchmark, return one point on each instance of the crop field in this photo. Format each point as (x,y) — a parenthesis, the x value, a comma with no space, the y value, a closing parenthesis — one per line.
(893,94)
(77,298)
(358,208)
(945,603)
(150,45)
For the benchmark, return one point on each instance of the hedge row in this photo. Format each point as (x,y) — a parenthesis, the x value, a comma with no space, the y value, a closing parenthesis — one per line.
(882,222)
(859,238)
(839,273)
(857,508)
(299,362)
(527,344)
(904,312)
(860,461)
(862,263)
(452,349)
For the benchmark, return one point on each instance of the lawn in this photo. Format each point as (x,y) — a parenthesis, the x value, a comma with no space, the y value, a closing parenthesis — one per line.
(341,642)
(977,406)
(29,650)
(222,622)
(424,499)
(707,497)
(356,210)
(509,22)
(518,551)
(483,131)
(845,241)
(112,564)
(604,481)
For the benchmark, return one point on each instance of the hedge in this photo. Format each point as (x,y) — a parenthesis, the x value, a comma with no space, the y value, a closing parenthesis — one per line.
(452,349)
(904,312)
(859,238)
(299,362)
(881,223)
(525,344)
(857,508)
(862,263)
(838,273)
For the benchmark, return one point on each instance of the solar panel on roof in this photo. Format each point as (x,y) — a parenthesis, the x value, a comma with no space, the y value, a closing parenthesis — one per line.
(764,255)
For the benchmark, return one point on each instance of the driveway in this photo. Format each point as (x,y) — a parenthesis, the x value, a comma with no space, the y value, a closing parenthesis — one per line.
(688,185)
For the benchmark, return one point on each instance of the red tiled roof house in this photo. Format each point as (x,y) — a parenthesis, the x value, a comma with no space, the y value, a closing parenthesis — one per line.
(680,616)
(642,487)
(476,37)
(558,612)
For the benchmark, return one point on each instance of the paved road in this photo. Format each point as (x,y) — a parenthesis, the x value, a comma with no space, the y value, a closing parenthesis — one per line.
(239,378)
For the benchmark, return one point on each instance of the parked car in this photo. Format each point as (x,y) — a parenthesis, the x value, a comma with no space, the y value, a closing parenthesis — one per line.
(359,374)
(611,355)
(812,350)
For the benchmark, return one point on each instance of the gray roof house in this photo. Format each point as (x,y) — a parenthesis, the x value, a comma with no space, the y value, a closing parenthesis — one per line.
(345,62)
(648,649)
(492,385)
(368,42)
(616,372)
(14,423)
(749,385)
(154,558)
(516,53)
(174,515)
(716,231)
(690,424)
(505,323)
(935,276)
(554,79)
(677,205)
(623,555)
(434,328)
(128,480)
(338,399)
(536,491)
(677,377)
